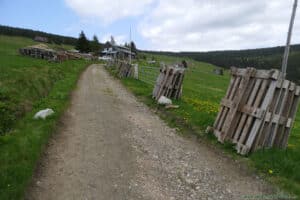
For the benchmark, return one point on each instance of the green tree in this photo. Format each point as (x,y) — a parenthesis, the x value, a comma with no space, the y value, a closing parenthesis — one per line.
(83,44)
(95,45)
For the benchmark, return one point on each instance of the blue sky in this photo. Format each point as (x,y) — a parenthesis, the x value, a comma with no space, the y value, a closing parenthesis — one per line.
(176,25)
(55,16)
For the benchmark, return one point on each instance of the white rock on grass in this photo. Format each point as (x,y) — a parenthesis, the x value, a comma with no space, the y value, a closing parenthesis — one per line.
(43,114)
(164,101)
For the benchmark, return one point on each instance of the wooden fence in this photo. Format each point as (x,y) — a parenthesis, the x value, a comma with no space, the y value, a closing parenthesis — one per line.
(258,110)
(169,82)
(125,70)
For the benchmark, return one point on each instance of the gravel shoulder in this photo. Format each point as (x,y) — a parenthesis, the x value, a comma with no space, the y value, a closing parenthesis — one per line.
(110,146)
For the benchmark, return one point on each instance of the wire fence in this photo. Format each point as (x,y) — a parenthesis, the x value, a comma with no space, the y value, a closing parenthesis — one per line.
(148,74)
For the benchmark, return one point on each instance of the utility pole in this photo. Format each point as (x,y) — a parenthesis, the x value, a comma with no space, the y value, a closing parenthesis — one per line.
(130,45)
(288,41)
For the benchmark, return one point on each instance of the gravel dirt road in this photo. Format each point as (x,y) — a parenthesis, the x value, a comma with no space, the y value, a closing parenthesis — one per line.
(110,146)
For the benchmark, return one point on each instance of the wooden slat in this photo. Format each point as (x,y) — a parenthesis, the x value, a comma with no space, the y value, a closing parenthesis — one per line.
(292,114)
(244,110)
(240,97)
(244,99)
(256,104)
(279,110)
(232,80)
(226,110)
(262,74)
(257,125)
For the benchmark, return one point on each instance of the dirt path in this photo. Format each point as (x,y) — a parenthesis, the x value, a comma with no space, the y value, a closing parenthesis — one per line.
(112,147)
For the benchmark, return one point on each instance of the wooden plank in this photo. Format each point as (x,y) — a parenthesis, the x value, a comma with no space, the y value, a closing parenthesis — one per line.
(292,114)
(179,90)
(226,110)
(244,111)
(237,118)
(257,124)
(257,102)
(280,107)
(159,81)
(216,123)
(262,74)
(240,97)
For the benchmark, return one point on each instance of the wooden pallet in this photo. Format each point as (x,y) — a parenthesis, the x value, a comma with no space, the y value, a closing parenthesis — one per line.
(169,83)
(257,111)
(125,69)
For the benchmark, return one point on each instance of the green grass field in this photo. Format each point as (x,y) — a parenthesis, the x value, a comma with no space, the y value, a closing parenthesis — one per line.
(28,85)
(202,93)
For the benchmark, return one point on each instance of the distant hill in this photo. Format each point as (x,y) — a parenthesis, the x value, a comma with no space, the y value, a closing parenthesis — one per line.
(259,58)
(52,38)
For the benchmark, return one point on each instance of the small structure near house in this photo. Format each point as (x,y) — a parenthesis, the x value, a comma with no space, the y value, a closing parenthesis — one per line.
(218,71)
(169,82)
(41,39)
(257,111)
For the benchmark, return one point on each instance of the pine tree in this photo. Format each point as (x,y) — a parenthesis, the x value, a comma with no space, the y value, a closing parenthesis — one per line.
(95,45)
(83,44)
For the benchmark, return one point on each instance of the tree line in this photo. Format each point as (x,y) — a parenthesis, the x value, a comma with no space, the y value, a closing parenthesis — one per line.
(264,58)
(52,38)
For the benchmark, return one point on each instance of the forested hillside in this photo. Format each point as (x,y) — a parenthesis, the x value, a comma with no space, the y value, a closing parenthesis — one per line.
(53,38)
(258,58)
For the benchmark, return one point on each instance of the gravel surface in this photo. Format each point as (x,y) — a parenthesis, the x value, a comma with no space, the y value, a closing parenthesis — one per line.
(110,146)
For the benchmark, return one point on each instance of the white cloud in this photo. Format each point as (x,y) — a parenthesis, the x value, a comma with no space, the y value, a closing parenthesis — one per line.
(196,25)
(108,11)
(217,24)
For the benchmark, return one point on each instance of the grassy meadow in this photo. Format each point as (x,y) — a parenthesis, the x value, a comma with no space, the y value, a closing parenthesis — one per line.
(202,93)
(28,85)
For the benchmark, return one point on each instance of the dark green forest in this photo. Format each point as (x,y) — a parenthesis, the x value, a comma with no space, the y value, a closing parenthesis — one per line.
(264,58)
(53,38)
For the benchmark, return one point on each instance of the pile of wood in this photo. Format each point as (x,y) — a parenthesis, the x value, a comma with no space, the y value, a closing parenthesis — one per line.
(169,82)
(258,110)
(125,69)
(42,51)
(39,51)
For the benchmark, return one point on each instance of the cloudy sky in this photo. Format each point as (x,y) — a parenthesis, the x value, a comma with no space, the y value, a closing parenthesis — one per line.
(173,25)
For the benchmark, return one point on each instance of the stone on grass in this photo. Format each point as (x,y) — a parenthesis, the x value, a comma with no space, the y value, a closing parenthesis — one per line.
(43,114)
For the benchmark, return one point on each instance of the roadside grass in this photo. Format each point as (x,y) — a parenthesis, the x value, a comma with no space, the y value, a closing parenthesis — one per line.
(24,80)
(28,85)
(202,93)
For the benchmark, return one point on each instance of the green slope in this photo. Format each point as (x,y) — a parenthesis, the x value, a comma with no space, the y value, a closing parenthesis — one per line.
(26,86)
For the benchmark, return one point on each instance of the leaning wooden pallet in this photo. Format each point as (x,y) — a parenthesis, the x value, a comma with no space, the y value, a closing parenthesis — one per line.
(125,69)
(169,82)
(257,111)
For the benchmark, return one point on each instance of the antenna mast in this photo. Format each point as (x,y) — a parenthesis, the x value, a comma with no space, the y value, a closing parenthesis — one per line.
(130,45)
(288,41)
